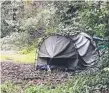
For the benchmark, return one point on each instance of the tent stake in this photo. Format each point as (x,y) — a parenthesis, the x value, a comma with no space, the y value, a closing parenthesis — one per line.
(48,67)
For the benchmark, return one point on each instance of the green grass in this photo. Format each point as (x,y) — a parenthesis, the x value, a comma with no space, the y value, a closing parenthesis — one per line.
(20,57)
(79,83)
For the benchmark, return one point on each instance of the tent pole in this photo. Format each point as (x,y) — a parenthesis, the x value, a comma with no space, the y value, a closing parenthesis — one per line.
(35,59)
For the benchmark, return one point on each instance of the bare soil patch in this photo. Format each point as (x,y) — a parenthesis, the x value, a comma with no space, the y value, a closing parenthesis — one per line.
(26,73)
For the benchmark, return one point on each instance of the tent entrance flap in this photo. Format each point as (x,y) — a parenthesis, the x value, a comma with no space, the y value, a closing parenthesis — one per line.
(66,62)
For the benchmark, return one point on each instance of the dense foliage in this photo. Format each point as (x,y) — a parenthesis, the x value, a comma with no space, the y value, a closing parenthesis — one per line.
(39,17)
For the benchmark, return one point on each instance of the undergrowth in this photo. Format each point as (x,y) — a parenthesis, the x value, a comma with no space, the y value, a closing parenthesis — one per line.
(79,83)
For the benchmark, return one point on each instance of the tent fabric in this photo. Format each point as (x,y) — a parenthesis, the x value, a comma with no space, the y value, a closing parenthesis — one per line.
(67,51)
(86,48)
(57,47)
(81,44)
(57,50)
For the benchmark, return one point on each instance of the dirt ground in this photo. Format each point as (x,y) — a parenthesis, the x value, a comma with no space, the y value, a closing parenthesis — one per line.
(24,73)
(18,73)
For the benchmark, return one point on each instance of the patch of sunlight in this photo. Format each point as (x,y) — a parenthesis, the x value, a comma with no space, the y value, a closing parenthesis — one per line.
(21,58)
(106,69)
(4,57)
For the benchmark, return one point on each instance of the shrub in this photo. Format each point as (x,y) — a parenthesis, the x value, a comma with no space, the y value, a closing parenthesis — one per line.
(8,87)
(14,41)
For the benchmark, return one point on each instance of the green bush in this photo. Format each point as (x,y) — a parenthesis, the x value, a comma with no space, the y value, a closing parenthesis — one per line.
(8,87)
(14,41)
(104,59)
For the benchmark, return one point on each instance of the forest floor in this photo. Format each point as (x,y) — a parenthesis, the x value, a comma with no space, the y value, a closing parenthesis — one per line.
(17,72)
(22,72)
(25,73)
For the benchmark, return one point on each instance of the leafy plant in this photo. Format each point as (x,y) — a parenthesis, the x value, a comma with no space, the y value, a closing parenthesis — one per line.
(8,87)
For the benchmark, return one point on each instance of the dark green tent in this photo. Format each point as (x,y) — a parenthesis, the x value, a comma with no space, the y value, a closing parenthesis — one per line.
(67,52)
